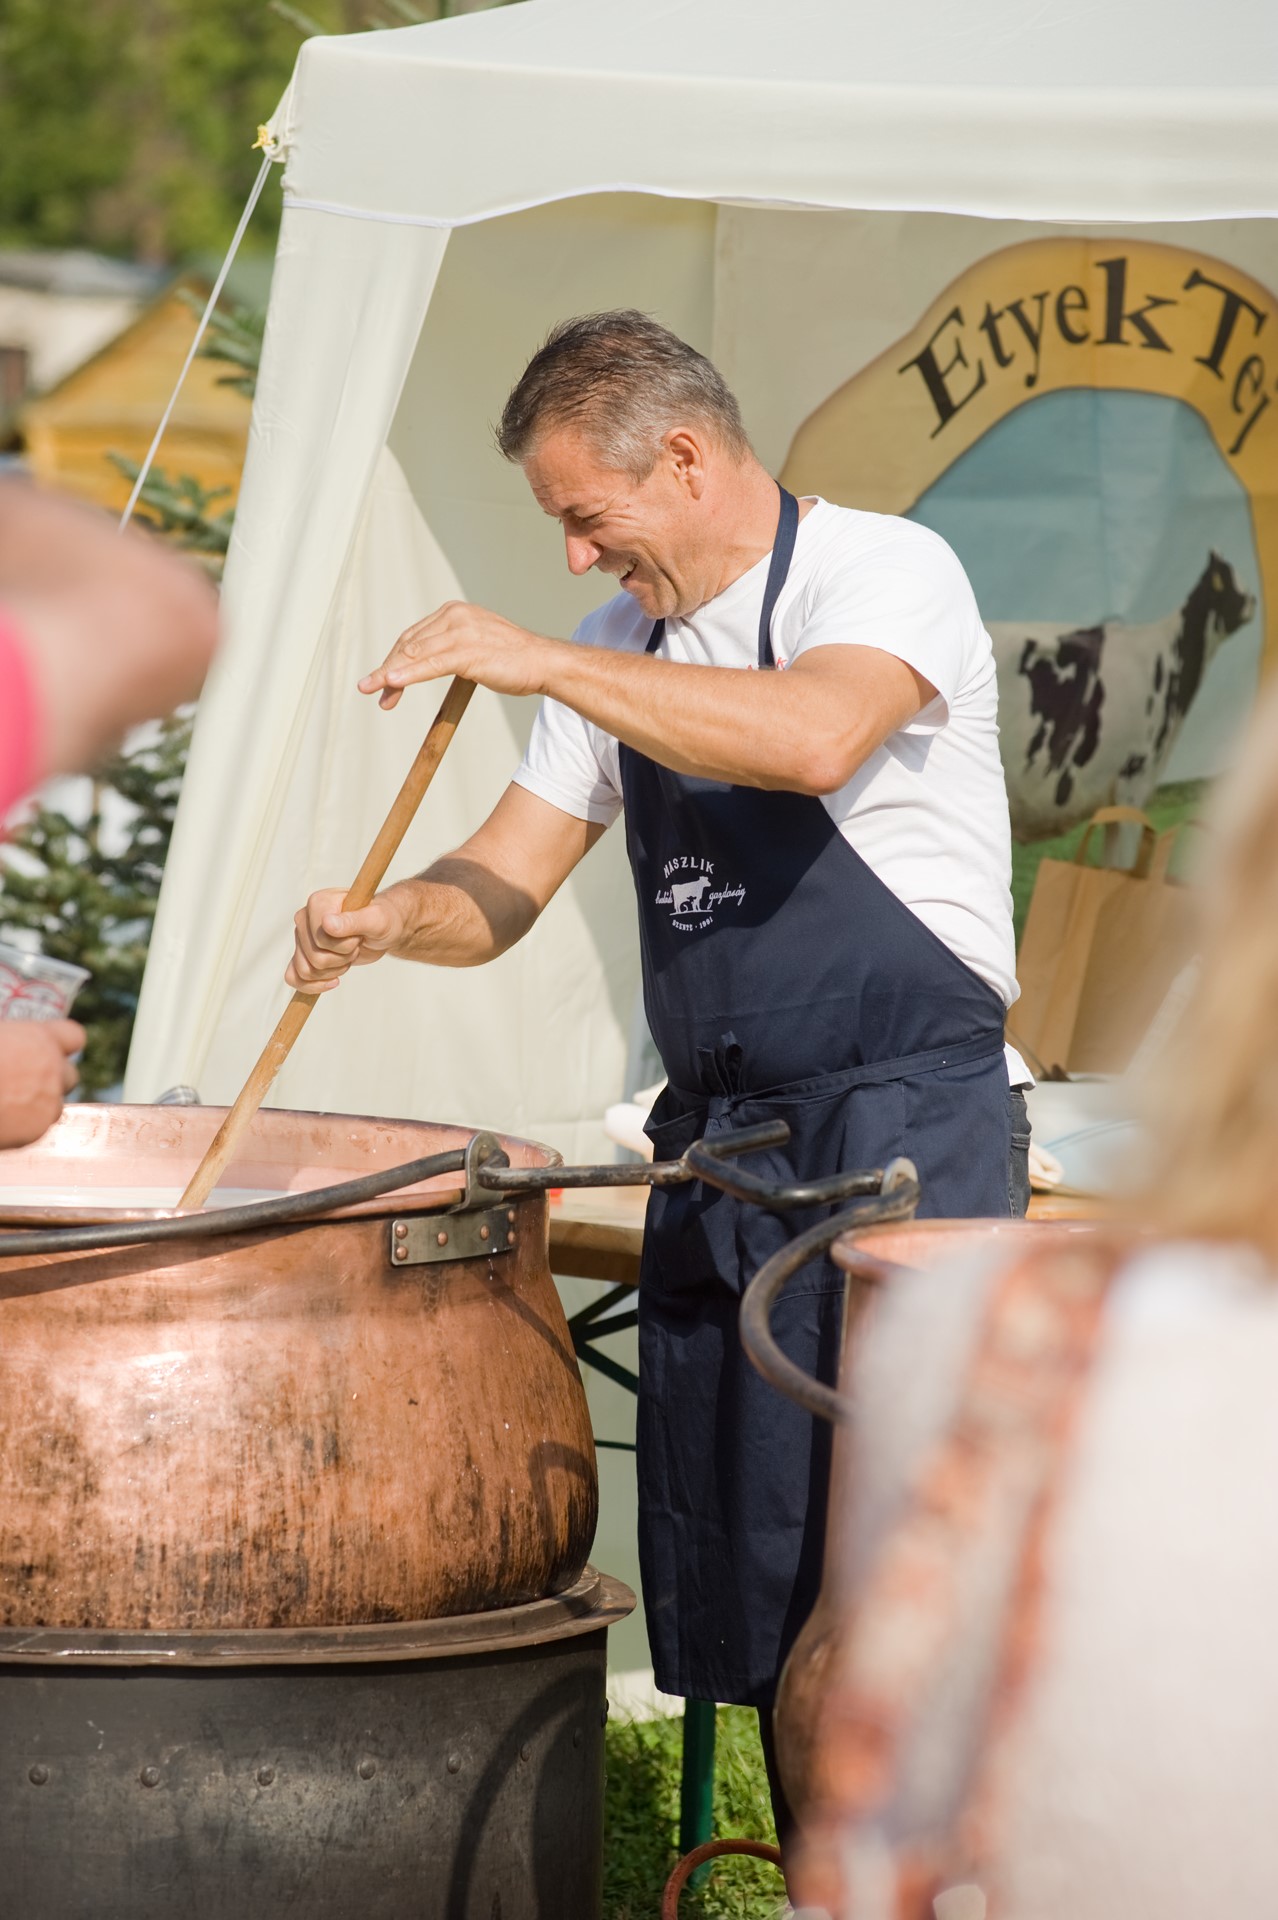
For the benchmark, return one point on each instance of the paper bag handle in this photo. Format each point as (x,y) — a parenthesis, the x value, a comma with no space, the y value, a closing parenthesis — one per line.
(1127,817)
(1167,846)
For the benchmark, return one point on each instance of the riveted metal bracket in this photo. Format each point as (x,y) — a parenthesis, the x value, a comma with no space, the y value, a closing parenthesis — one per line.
(481,1225)
(459,1235)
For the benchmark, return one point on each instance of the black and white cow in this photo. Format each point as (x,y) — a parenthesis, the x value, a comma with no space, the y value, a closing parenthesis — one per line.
(1089,715)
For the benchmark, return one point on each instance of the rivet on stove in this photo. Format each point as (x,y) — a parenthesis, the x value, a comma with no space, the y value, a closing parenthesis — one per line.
(510,1239)
(441,1239)
(401,1231)
(525,1752)
(454,1763)
(150,1776)
(484,1232)
(367,1768)
(510,1215)
(401,1253)
(265,1776)
(38,1774)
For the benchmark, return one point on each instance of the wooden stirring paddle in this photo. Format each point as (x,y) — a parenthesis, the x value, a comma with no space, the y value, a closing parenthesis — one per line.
(367,881)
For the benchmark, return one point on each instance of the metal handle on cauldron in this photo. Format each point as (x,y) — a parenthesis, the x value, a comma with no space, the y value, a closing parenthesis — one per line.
(704,1160)
(493,1173)
(481,1225)
(487,1177)
(896,1195)
(482,1162)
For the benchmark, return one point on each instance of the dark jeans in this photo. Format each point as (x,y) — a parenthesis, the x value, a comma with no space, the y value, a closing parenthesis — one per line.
(1018,1181)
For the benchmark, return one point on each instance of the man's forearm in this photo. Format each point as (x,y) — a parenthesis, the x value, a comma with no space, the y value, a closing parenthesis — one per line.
(460,914)
(711,721)
(465,909)
(805,731)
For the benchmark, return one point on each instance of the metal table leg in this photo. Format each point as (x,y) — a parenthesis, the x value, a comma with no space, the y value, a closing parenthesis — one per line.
(696,1789)
(594,1322)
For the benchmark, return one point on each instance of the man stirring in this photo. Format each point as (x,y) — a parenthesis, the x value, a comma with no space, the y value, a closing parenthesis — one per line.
(821,860)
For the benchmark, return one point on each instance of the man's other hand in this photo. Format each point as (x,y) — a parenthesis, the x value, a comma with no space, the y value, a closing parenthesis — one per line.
(468,641)
(36,1074)
(327,941)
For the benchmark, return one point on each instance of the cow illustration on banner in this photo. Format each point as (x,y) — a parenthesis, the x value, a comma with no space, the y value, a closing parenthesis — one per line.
(1091,425)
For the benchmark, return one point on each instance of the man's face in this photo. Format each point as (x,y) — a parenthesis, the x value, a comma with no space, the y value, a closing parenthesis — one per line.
(642,532)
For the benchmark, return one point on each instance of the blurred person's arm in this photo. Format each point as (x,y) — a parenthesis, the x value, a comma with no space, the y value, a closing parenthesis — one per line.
(113,628)
(35,1073)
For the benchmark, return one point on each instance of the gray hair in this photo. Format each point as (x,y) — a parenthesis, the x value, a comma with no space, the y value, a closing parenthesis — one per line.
(624,381)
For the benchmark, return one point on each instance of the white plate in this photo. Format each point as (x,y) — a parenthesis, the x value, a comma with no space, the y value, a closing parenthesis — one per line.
(1090,1126)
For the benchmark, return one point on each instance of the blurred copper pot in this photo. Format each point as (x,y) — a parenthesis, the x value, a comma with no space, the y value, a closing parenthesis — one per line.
(871,1258)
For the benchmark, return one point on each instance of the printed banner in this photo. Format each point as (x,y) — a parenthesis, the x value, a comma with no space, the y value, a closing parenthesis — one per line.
(1092,426)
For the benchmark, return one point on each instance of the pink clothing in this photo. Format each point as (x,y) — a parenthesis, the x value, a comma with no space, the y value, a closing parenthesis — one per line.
(19,718)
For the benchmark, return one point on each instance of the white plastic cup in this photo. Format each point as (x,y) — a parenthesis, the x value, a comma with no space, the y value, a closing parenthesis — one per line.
(33,987)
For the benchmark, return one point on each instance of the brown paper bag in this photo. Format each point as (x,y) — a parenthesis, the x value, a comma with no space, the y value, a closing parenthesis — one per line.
(1100,950)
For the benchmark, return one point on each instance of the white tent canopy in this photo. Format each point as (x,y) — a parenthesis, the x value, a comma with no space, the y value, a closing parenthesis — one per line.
(743,170)
(1064,111)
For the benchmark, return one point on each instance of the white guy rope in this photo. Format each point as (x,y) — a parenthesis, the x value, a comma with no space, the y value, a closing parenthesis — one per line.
(218,284)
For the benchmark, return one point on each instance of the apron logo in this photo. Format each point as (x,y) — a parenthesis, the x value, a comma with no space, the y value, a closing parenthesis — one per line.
(693,893)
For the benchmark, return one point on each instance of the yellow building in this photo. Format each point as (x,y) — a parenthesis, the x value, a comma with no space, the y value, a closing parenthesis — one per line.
(113,401)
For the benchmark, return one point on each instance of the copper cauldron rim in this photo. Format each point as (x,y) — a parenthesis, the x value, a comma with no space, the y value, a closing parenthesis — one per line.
(855,1251)
(169,1141)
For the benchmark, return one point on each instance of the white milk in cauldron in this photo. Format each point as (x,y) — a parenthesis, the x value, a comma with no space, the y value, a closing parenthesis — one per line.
(132,1198)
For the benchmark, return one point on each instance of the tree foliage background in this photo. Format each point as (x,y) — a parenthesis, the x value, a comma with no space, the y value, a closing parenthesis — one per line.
(127,125)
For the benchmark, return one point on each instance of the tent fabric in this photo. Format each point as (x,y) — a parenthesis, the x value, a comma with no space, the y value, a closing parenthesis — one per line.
(357,514)
(372,491)
(314,445)
(1122,112)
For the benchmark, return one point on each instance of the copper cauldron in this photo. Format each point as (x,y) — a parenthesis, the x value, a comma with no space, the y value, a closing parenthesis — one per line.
(368,1417)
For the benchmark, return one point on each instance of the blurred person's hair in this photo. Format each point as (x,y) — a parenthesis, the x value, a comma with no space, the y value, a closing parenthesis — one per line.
(623,381)
(1214,1094)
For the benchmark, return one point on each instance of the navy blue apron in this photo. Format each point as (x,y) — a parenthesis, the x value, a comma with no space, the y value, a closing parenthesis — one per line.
(781,978)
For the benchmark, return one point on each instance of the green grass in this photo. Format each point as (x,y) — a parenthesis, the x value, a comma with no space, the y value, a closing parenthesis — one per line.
(1168,806)
(641,1821)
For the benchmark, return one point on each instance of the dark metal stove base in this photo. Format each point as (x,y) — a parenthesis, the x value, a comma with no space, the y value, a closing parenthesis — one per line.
(453,1787)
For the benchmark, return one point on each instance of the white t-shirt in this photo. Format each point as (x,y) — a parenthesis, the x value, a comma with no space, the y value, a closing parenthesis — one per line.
(928,811)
